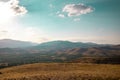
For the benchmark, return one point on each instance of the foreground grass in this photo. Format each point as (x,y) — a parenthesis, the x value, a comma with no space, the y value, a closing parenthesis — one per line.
(61,71)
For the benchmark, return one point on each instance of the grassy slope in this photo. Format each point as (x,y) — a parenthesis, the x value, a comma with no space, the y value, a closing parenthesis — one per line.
(61,71)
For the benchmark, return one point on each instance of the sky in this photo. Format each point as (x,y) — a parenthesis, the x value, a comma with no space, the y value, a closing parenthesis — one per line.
(39,21)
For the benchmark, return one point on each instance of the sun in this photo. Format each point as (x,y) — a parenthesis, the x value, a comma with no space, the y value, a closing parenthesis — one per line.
(6,13)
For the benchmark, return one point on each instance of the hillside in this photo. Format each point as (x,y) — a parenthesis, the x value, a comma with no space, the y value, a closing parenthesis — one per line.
(61,71)
(17,56)
(106,51)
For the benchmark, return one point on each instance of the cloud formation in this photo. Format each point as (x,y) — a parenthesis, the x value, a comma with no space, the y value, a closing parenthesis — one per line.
(61,15)
(4,0)
(77,9)
(77,19)
(13,6)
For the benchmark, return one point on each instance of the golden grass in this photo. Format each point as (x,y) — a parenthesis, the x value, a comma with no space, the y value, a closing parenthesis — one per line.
(61,71)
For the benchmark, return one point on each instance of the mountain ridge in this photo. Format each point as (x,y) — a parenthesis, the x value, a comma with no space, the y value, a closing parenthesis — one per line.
(63,45)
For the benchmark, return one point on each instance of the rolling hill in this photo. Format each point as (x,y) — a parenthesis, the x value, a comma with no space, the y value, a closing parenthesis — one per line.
(61,71)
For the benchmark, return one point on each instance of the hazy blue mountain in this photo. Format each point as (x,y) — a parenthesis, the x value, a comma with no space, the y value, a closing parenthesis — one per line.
(63,45)
(8,43)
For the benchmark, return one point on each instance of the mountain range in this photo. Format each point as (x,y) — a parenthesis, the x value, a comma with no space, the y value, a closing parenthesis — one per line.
(15,52)
(9,43)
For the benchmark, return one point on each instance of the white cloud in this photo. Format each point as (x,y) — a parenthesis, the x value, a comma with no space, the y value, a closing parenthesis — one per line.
(52,6)
(4,0)
(61,15)
(14,6)
(9,9)
(77,9)
(77,19)
(18,10)
(58,12)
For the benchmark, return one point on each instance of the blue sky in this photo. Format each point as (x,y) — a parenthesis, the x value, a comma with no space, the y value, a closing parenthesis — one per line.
(75,20)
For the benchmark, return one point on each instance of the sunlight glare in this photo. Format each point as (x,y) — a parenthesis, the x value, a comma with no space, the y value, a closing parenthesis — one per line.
(6,13)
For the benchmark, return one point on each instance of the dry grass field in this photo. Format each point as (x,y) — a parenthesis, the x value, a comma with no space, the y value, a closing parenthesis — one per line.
(61,71)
